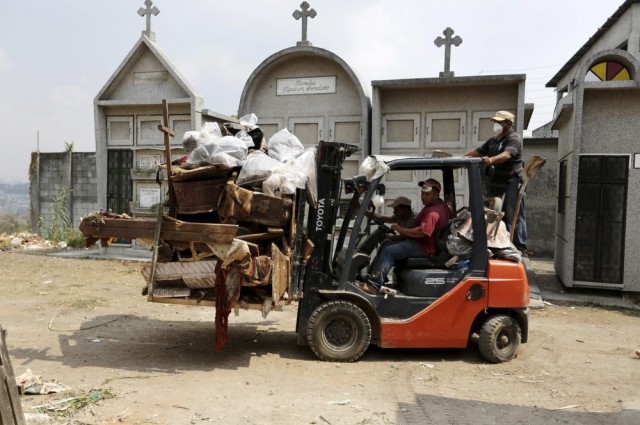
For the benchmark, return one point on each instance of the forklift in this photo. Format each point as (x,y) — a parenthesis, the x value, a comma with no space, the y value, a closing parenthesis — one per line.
(315,262)
(485,300)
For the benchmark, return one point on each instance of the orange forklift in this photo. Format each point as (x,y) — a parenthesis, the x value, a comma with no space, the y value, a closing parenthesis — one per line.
(482,299)
(439,303)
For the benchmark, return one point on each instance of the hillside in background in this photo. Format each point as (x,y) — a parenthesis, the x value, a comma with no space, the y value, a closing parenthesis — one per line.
(14,198)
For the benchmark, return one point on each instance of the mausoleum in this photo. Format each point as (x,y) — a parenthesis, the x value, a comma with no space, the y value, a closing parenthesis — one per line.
(127,115)
(313,93)
(597,119)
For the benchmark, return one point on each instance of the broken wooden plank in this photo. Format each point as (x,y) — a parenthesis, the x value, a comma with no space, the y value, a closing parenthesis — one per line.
(281,273)
(10,405)
(171,230)
(194,274)
(272,233)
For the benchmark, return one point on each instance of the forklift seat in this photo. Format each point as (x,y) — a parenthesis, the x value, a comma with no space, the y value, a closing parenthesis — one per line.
(435,261)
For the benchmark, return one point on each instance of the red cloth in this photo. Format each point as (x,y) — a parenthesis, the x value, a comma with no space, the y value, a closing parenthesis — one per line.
(252,272)
(430,219)
(223,309)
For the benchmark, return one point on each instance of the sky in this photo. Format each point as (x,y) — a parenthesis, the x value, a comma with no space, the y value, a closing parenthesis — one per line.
(56,55)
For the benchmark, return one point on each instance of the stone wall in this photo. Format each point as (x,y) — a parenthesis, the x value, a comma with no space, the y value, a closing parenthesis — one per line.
(52,174)
(541,198)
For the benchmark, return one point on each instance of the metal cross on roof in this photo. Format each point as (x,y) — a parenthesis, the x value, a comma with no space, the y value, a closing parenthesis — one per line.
(304,14)
(148,11)
(447,41)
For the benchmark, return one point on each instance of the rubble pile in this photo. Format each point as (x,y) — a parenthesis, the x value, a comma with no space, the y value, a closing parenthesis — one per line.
(24,240)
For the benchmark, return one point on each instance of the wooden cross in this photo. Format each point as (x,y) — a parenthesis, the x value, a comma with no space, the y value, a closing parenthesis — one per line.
(447,42)
(168,134)
(304,14)
(148,11)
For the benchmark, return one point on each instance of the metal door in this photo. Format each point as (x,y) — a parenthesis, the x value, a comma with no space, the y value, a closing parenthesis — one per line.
(600,219)
(119,185)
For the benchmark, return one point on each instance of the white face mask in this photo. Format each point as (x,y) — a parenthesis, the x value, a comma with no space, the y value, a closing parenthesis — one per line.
(497,128)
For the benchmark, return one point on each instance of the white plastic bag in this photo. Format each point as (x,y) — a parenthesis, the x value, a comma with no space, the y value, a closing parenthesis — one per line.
(257,168)
(294,174)
(371,168)
(306,162)
(284,146)
(250,121)
(227,151)
(193,139)
(285,181)
(248,141)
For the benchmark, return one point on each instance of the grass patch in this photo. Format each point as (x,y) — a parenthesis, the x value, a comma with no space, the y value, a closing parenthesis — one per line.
(76,402)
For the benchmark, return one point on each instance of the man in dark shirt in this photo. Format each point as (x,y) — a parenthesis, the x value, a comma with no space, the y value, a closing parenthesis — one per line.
(504,153)
(418,240)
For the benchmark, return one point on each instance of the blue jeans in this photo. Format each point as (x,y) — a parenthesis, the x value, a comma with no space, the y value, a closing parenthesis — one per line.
(510,201)
(389,254)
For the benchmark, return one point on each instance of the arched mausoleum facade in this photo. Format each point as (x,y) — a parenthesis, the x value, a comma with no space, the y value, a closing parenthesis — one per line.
(314,94)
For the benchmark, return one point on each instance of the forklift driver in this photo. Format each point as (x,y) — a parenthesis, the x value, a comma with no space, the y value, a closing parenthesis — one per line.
(418,240)
(402,214)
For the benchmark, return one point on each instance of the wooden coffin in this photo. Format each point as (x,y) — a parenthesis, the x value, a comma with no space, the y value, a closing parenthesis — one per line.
(200,196)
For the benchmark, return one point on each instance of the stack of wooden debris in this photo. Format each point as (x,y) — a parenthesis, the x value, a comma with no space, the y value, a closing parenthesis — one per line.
(223,233)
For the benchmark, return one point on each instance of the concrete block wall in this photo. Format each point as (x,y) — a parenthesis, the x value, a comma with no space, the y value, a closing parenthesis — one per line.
(85,185)
(542,197)
(51,173)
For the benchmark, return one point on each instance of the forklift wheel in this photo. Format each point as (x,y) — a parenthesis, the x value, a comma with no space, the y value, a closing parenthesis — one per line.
(499,339)
(338,331)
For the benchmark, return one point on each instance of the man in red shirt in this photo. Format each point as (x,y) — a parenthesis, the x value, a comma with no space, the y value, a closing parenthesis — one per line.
(418,240)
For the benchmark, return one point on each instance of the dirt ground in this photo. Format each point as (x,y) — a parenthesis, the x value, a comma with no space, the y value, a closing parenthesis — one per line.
(85,324)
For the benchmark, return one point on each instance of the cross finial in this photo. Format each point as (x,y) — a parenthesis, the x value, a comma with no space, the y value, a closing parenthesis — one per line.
(304,14)
(447,41)
(148,11)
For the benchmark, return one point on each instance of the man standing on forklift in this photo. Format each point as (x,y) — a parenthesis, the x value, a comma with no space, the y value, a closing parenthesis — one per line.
(418,241)
(504,153)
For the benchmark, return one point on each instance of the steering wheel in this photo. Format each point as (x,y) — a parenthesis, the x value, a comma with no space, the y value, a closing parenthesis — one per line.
(381,224)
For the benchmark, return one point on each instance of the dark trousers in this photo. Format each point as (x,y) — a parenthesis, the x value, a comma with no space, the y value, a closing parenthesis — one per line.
(510,200)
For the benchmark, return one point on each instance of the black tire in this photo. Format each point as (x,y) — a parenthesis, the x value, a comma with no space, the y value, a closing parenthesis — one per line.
(338,331)
(499,339)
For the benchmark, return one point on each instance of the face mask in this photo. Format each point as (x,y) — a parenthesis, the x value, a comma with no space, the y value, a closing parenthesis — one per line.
(497,128)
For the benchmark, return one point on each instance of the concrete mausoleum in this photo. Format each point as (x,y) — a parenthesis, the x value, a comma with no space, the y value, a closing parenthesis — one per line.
(128,112)
(453,114)
(597,119)
(313,93)
(448,113)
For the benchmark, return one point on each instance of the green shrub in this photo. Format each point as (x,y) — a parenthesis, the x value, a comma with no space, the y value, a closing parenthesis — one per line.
(74,238)
(60,221)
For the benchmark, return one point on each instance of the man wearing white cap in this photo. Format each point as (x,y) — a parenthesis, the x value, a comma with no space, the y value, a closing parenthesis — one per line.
(402,214)
(419,238)
(504,153)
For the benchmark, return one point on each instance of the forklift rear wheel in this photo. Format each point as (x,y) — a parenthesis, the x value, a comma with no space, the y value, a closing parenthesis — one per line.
(499,339)
(338,331)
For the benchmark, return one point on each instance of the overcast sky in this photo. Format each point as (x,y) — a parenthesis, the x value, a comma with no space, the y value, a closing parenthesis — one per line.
(56,55)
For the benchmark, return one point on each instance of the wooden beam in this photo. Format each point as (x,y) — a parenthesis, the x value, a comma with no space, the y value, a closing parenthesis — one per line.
(168,134)
(171,230)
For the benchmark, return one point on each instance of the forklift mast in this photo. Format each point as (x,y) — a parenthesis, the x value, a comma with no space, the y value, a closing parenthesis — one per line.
(322,216)
(320,224)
